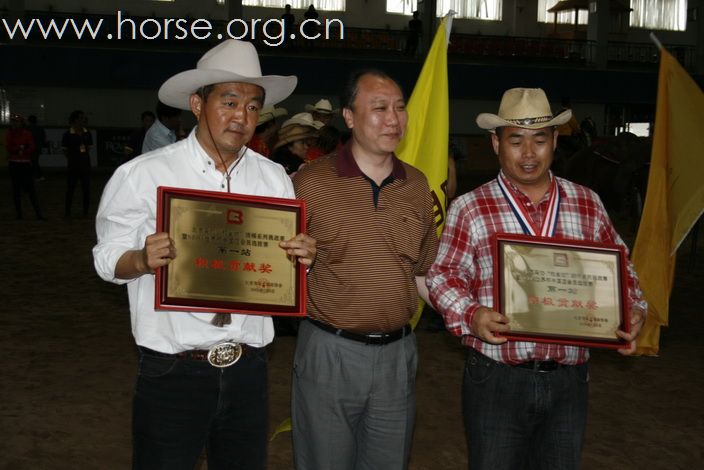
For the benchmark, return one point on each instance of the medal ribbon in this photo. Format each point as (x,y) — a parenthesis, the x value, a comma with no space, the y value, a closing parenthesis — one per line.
(519,210)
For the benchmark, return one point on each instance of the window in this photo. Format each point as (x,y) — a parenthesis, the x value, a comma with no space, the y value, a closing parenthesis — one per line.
(659,14)
(328,5)
(474,9)
(404,7)
(641,129)
(563,17)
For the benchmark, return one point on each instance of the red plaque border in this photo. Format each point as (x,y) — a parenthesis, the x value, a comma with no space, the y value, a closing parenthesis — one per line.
(164,302)
(501,239)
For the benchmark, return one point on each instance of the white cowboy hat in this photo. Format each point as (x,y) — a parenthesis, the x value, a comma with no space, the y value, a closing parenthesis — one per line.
(229,61)
(270,112)
(323,106)
(303,119)
(523,107)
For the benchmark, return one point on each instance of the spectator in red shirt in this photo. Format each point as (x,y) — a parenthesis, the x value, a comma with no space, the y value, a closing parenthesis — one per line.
(20,148)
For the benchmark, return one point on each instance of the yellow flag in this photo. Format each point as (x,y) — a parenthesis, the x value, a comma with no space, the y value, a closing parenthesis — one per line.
(675,197)
(427,134)
(284,426)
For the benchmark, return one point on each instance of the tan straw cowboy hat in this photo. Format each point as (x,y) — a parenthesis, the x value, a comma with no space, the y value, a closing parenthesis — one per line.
(292,133)
(229,61)
(523,107)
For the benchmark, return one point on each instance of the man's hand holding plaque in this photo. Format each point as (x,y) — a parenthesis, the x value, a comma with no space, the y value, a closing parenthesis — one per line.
(302,248)
(488,325)
(562,291)
(229,253)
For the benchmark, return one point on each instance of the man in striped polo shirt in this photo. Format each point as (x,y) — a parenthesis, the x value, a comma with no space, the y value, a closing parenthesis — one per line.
(353,398)
(524,403)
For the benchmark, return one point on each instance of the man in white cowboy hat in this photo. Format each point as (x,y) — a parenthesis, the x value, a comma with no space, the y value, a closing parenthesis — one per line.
(186,398)
(524,403)
(353,394)
(322,111)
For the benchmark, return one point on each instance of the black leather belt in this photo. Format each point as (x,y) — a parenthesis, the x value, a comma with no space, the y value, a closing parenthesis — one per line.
(220,355)
(540,366)
(369,338)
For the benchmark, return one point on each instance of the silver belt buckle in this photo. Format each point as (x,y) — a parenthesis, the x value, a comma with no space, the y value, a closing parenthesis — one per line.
(224,354)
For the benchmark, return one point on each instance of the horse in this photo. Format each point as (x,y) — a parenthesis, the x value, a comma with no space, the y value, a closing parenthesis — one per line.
(616,169)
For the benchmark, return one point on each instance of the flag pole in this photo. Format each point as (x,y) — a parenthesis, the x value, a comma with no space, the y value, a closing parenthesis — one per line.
(655,39)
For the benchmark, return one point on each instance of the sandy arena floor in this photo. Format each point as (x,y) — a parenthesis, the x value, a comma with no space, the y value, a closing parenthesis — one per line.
(69,365)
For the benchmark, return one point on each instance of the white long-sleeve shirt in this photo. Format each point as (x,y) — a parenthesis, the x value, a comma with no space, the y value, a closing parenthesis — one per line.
(127,215)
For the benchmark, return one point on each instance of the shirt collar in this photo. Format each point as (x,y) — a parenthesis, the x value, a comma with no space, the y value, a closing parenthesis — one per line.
(347,166)
(203,158)
(523,195)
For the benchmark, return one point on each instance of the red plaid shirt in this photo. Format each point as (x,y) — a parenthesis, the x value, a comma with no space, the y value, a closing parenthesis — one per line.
(462,277)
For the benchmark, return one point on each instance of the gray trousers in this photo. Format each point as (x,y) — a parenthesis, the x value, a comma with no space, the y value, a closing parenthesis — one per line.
(353,405)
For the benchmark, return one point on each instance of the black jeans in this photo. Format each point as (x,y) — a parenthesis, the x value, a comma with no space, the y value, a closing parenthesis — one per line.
(74,175)
(523,419)
(184,406)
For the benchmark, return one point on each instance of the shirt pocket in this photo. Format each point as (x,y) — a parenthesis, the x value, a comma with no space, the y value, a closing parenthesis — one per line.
(407,231)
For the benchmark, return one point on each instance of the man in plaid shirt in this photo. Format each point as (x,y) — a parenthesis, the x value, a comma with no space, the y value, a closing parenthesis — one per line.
(524,403)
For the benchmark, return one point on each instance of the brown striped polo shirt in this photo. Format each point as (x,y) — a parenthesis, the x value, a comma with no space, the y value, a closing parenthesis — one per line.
(363,279)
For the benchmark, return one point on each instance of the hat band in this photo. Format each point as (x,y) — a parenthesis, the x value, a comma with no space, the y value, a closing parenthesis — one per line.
(530,121)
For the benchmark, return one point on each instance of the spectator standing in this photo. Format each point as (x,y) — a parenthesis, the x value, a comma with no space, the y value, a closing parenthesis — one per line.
(415,31)
(329,139)
(76,144)
(266,130)
(310,25)
(289,23)
(293,141)
(20,148)
(164,130)
(136,140)
(322,111)
(39,136)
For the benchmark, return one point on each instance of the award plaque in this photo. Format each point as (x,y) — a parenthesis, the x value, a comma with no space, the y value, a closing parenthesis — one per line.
(228,258)
(561,291)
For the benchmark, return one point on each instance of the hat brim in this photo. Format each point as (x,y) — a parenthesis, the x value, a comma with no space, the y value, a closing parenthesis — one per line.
(294,137)
(266,117)
(312,109)
(489,122)
(177,90)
